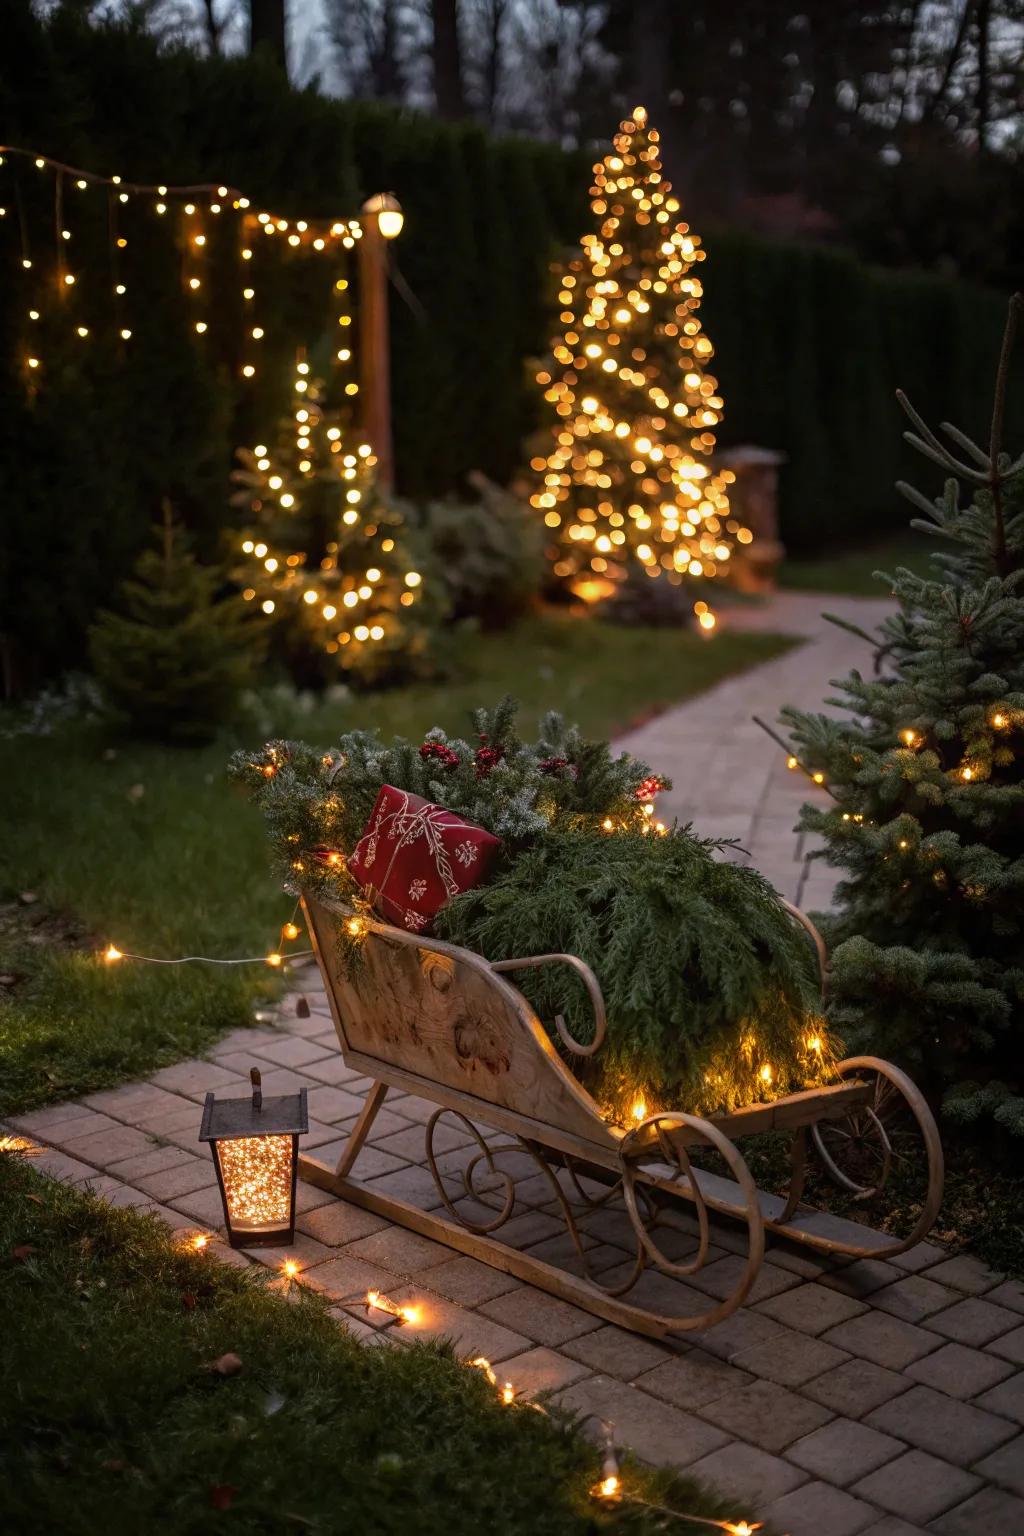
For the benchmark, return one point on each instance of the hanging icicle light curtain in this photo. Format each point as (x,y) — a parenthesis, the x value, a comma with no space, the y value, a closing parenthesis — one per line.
(76,242)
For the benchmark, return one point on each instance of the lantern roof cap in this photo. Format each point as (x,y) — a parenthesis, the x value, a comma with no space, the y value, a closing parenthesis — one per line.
(284,1115)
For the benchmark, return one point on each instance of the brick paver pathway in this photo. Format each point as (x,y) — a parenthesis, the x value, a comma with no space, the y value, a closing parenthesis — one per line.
(844,1399)
(729,778)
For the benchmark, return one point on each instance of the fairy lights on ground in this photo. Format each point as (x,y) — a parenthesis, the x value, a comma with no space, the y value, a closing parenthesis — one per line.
(403,1313)
(112,955)
(611,1489)
(627,474)
(290,1268)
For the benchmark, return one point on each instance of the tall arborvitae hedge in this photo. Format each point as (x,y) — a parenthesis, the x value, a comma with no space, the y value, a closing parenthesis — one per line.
(809,343)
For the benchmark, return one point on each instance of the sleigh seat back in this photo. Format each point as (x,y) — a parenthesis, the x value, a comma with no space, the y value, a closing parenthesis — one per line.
(440,1022)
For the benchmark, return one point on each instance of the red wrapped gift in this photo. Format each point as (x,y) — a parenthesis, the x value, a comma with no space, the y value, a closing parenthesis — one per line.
(417,856)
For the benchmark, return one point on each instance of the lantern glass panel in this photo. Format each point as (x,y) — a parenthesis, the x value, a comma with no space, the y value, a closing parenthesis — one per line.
(257,1174)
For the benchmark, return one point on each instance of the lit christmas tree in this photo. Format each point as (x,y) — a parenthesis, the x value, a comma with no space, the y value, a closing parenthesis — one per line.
(325,554)
(627,478)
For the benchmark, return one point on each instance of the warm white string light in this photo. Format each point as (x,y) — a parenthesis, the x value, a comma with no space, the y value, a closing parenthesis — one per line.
(112,954)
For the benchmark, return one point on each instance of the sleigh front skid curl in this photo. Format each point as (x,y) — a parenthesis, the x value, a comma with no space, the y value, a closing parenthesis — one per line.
(441,1023)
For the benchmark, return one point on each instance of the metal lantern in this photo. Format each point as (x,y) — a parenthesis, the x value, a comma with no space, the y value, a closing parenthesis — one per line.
(255,1152)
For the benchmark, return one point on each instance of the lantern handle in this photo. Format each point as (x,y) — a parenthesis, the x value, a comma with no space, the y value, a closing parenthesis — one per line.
(257,1087)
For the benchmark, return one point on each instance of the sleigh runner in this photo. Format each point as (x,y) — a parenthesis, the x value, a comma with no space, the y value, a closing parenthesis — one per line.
(440,1022)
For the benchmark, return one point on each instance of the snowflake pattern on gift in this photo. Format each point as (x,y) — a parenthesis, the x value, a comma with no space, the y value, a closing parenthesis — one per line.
(417,889)
(415,920)
(467,853)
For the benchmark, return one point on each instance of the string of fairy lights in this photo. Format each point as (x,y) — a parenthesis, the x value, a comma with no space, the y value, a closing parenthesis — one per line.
(49,276)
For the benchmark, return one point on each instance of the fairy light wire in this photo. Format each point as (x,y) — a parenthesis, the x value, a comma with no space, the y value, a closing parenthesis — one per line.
(112,954)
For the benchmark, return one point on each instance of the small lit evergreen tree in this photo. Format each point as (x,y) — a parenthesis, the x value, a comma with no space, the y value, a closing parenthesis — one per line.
(174,661)
(324,554)
(627,478)
(927,817)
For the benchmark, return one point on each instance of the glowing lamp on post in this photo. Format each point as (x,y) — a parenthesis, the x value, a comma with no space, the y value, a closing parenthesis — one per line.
(255,1145)
(381,220)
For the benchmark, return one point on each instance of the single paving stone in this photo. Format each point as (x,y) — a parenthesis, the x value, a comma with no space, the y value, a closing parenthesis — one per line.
(370,1164)
(791,1359)
(721,1278)
(743,1330)
(243,1040)
(817,1508)
(289,1052)
(107,1147)
(693,1379)
(88,1123)
(1006,1399)
(341,1277)
(333,1104)
(921,1256)
(401,1251)
(937,1423)
(58,1165)
(338,1223)
(856,1387)
(811,1308)
(989,1510)
(655,1430)
(204,1205)
(530,1228)
(170,1121)
(467,1281)
(198,1173)
(917,1486)
(862,1278)
(744,1472)
(614,1351)
(155,1161)
(412,1184)
(843,1451)
(408,1142)
(38,1121)
(331,1068)
(308,1197)
(541,1370)
(471,1333)
(974,1321)
(539,1316)
(192,1077)
(769,1416)
(966,1273)
(959,1371)
(1006,1466)
(888,1341)
(1009,1294)
(1010,1346)
(791,1256)
(914,1297)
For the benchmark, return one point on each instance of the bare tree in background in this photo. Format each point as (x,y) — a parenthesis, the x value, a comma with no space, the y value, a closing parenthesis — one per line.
(373,42)
(446,53)
(268,29)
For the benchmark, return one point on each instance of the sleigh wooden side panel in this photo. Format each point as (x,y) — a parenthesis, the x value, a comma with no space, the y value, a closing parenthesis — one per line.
(430,1017)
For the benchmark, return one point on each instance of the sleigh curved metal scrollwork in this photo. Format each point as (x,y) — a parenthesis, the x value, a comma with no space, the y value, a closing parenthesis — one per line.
(524,1137)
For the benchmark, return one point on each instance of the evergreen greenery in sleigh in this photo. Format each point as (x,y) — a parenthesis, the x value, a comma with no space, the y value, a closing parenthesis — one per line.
(601,1018)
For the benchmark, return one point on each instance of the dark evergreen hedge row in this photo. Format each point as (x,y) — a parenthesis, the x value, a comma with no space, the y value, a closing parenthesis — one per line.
(810,344)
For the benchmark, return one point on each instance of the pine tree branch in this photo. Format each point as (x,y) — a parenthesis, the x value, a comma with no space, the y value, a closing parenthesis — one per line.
(996,437)
(967,443)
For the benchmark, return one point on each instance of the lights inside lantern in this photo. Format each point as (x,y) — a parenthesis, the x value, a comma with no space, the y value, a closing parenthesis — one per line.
(255,1145)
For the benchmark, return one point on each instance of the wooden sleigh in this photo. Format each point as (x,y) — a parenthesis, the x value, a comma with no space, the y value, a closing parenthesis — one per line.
(441,1023)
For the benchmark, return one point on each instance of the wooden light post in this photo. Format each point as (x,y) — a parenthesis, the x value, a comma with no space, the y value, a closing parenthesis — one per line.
(382,220)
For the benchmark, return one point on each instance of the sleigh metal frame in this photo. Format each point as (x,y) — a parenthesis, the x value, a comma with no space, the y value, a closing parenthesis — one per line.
(440,1022)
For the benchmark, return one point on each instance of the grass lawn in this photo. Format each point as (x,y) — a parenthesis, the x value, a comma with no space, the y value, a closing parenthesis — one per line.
(852,571)
(153,850)
(114,1419)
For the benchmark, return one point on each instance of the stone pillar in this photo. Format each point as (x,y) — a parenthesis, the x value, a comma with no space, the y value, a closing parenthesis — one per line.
(755,501)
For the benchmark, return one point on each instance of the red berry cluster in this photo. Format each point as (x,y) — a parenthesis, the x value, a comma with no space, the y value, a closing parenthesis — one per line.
(437,752)
(486,757)
(650,787)
(556,766)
